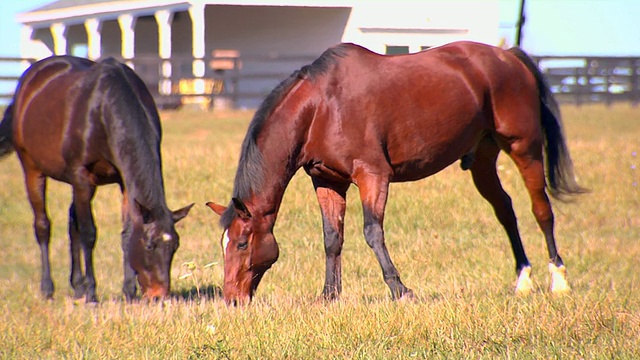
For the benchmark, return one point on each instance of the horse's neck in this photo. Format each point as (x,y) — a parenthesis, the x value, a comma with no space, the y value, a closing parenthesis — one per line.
(280,144)
(139,162)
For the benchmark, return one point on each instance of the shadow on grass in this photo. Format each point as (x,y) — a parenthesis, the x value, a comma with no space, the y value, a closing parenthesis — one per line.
(206,293)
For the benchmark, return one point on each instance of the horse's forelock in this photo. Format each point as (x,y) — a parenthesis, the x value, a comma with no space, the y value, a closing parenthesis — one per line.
(227,217)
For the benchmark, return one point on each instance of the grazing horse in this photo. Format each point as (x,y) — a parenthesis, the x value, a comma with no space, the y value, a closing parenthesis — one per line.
(89,124)
(354,116)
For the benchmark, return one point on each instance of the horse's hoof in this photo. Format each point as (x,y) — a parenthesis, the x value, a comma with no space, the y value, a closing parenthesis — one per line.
(559,283)
(403,294)
(330,296)
(524,285)
(46,288)
(92,305)
(407,296)
(79,293)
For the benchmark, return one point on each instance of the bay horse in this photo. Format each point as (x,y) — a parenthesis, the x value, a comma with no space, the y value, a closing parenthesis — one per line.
(88,124)
(354,116)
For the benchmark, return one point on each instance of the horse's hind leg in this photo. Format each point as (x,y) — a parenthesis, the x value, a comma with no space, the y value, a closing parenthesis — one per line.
(529,163)
(36,184)
(84,229)
(333,204)
(487,182)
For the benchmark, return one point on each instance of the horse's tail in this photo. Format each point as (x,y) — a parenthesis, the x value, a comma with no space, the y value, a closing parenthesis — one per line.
(6,132)
(559,166)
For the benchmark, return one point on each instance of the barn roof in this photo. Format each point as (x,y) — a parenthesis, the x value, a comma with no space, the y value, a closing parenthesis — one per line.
(81,9)
(62,4)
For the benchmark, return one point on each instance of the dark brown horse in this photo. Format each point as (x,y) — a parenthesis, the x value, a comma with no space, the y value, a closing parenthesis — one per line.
(89,124)
(354,116)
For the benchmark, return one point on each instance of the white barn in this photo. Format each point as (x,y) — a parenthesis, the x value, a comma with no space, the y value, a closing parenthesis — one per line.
(299,30)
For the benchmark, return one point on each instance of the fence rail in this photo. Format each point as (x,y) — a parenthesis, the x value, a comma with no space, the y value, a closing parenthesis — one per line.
(11,67)
(587,79)
(573,79)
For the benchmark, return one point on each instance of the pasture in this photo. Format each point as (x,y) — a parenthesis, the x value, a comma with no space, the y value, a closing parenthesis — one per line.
(442,236)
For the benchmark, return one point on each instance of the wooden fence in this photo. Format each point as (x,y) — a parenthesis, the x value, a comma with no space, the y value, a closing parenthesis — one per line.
(587,79)
(10,74)
(237,80)
(227,80)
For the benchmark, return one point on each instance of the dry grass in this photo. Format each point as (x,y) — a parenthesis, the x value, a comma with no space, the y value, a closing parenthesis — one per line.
(442,236)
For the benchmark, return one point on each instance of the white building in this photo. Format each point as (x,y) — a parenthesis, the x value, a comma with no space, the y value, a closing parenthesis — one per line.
(297,29)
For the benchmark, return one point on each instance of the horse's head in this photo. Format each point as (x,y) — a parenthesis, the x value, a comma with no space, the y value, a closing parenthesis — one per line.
(152,244)
(249,250)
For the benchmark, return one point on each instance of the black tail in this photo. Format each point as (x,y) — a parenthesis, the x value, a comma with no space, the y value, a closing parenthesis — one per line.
(6,132)
(560,177)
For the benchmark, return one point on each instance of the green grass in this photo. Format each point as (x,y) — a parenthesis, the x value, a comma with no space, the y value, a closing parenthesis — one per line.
(443,238)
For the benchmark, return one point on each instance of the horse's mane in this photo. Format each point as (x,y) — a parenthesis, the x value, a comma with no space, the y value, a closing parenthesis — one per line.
(134,126)
(250,173)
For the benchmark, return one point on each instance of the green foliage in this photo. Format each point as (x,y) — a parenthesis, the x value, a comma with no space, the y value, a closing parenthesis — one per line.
(443,237)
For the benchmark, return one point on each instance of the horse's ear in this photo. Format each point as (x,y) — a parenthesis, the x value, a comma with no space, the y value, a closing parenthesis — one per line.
(181,213)
(218,209)
(241,209)
(143,211)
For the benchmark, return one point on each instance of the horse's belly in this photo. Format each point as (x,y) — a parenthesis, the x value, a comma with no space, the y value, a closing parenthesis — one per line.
(419,169)
(424,153)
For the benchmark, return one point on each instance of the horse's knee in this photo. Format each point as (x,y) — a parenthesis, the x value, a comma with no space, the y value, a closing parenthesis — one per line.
(42,227)
(373,233)
(332,246)
(332,240)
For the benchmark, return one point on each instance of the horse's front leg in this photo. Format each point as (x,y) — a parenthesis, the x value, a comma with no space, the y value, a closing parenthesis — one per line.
(333,203)
(129,285)
(76,277)
(82,196)
(373,193)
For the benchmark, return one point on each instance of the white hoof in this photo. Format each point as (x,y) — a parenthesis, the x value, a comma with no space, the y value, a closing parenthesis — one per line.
(524,284)
(559,282)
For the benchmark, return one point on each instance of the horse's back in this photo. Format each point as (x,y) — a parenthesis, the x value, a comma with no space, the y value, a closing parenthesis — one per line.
(419,112)
(451,69)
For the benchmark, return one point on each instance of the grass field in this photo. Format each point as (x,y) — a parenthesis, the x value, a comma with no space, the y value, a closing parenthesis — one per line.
(443,238)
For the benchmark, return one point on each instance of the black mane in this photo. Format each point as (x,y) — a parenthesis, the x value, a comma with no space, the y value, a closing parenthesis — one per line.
(134,132)
(250,173)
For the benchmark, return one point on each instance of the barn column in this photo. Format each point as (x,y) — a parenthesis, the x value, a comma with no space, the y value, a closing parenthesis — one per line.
(127,27)
(94,38)
(59,33)
(26,32)
(164,19)
(196,12)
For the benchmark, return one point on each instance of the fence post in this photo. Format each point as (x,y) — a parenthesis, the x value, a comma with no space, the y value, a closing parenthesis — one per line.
(635,81)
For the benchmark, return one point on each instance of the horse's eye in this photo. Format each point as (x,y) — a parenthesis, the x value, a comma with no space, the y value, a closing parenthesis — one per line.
(150,245)
(243,245)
